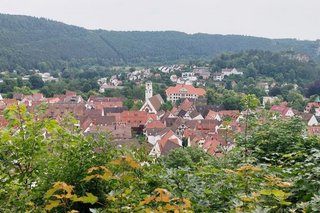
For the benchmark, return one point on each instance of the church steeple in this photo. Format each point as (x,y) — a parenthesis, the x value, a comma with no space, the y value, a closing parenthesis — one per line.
(149,90)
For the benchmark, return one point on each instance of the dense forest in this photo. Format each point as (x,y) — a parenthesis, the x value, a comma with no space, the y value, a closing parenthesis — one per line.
(30,42)
(283,66)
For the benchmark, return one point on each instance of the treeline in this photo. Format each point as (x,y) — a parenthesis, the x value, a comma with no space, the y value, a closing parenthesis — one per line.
(286,66)
(30,42)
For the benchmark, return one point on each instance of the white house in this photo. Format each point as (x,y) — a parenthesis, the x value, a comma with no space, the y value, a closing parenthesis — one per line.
(233,71)
(167,142)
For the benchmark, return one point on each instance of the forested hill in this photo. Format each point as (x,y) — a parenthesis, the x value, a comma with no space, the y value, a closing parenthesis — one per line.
(29,41)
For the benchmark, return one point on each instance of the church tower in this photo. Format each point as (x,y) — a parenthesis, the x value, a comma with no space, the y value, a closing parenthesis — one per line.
(149,91)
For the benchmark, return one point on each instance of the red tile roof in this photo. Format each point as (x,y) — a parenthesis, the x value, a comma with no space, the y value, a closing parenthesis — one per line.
(152,117)
(212,114)
(184,88)
(207,125)
(174,110)
(166,144)
(211,144)
(233,114)
(155,125)
(98,102)
(9,101)
(186,105)
(312,105)
(314,131)
(282,109)
(134,118)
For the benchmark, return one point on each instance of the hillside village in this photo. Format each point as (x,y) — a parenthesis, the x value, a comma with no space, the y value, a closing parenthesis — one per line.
(123,120)
(187,75)
(191,122)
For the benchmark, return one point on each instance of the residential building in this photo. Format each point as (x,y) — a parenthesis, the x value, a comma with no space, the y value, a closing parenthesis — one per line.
(283,110)
(217,76)
(313,107)
(166,143)
(308,118)
(203,72)
(99,102)
(183,91)
(189,76)
(233,71)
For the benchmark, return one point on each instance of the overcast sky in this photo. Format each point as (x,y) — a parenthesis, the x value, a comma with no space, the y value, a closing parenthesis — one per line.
(266,18)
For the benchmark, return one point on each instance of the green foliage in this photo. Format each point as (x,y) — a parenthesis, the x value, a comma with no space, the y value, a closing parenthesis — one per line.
(133,105)
(7,85)
(49,45)
(187,157)
(23,90)
(228,99)
(49,167)
(249,102)
(65,198)
(35,154)
(277,141)
(167,106)
(36,82)
(231,100)
(128,103)
(281,66)
(296,100)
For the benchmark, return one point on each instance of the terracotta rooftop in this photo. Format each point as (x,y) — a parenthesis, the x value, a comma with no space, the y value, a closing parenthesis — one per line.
(152,117)
(234,114)
(212,114)
(282,109)
(184,88)
(211,144)
(311,105)
(166,144)
(186,105)
(314,130)
(155,125)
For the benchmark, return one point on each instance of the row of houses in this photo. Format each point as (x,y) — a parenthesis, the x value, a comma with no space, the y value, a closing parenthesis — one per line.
(107,115)
(202,74)
(200,126)
(219,76)
(187,124)
(311,120)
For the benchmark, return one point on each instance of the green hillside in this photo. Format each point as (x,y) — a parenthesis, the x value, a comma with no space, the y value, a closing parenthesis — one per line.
(28,41)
